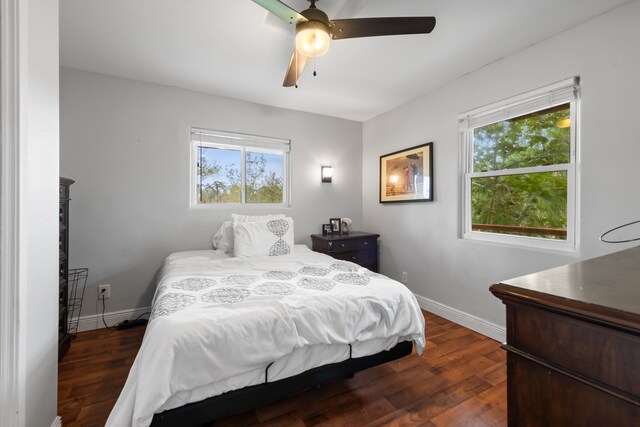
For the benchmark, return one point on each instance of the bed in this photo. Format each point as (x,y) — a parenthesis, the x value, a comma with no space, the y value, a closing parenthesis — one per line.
(227,333)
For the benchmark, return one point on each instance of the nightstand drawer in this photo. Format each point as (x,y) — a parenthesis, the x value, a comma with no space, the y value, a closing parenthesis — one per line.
(359,257)
(357,246)
(350,245)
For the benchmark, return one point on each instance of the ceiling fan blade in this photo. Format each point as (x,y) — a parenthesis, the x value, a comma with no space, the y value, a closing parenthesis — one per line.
(282,11)
(272,21)
(296,65)
(370,27)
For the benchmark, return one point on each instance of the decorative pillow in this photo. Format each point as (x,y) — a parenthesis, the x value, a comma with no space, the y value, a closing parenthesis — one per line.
(273,238)
(254,218)
(223,239)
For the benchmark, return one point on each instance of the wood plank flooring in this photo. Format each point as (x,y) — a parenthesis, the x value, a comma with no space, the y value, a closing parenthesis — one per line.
(460,380)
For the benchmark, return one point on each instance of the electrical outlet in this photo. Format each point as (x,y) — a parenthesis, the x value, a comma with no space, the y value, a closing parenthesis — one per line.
(405,278)
(104,291)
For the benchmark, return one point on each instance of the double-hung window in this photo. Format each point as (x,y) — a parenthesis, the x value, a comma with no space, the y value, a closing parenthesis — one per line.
(519,165)
(237,169)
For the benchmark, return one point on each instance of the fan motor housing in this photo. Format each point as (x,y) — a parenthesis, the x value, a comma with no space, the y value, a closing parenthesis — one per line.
(314,15)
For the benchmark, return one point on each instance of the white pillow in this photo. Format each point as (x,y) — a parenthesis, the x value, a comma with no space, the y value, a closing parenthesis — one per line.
(273,238)
(254,218)
(223,239)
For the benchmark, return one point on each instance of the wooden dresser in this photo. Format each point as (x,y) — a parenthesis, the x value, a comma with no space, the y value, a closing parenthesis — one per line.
(573,343)
(357,246)
(64,339)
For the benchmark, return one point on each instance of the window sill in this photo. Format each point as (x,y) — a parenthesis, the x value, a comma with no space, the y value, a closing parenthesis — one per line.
(526,243)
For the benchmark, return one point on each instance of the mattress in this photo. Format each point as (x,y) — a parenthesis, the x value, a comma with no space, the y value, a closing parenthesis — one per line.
(218,322)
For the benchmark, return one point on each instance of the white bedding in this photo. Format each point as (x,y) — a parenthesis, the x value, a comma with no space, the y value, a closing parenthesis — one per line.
(217,323)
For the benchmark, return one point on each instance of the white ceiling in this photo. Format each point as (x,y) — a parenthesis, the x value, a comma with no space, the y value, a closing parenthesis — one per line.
(231,48)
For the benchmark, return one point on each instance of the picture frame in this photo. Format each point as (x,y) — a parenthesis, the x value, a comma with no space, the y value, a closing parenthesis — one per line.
(407,175)
(327,229)
(336,224)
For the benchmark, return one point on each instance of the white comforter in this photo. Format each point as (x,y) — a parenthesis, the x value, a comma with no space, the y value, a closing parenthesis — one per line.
(214,319)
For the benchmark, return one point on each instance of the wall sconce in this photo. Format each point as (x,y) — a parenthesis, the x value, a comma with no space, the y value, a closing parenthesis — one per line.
(327,173)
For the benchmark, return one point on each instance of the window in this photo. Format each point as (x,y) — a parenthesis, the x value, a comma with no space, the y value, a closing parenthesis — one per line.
(519,162)
(229,168)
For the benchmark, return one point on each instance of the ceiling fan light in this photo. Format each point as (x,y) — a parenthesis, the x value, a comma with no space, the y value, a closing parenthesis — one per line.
(312,38)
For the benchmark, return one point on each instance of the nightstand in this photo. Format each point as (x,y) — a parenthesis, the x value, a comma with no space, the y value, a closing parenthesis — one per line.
(357,246)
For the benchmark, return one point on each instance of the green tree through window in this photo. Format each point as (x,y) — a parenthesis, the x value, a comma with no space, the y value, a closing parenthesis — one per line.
(529,204)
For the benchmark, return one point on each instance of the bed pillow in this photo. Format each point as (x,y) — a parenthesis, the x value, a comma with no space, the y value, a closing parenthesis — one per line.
(273,238)
(254,218)
(223,239)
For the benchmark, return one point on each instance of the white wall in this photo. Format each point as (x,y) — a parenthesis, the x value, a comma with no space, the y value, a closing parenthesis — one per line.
(39,201)
(126,144)
(422,238)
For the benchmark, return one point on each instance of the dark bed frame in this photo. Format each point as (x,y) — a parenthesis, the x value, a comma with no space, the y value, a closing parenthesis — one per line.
(237,401)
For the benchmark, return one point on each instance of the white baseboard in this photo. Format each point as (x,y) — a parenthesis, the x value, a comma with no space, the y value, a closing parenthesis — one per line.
(94,321)
(57,422)
(467,320)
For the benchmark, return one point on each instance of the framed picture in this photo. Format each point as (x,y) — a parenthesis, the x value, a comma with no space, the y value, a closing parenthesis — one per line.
(335,225)
(327,229)
(407,175)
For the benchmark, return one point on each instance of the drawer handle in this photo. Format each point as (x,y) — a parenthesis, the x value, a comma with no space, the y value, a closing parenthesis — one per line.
(342,245)
(353,258)
(365,243)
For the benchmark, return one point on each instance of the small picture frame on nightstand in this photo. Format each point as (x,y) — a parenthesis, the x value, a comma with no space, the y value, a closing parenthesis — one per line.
(327,229)
(335,225)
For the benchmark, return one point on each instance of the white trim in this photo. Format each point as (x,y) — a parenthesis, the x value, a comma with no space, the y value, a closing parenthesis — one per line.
(467,320)
(57,422)
(282,148)
(567,91)
(240,139)
(525,242)
(555,94)
(12,374)
(94,321)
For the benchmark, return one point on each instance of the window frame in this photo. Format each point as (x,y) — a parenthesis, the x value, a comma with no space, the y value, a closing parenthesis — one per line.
(564,92)
(243,143)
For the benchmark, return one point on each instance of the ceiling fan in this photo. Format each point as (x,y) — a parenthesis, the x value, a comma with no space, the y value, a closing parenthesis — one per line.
(314,31)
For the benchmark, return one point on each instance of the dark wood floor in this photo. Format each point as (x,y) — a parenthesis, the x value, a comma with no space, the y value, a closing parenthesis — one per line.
(460,380)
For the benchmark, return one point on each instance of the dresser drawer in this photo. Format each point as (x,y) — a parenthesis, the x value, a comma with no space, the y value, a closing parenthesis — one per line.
(62,271)
(62,216)
(548,398)
(605,355)
(64,191)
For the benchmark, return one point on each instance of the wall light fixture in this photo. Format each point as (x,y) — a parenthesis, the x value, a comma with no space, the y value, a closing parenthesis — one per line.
(327,173)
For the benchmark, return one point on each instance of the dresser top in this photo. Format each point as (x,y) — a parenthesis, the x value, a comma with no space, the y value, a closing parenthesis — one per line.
(606,288)
(351,235)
